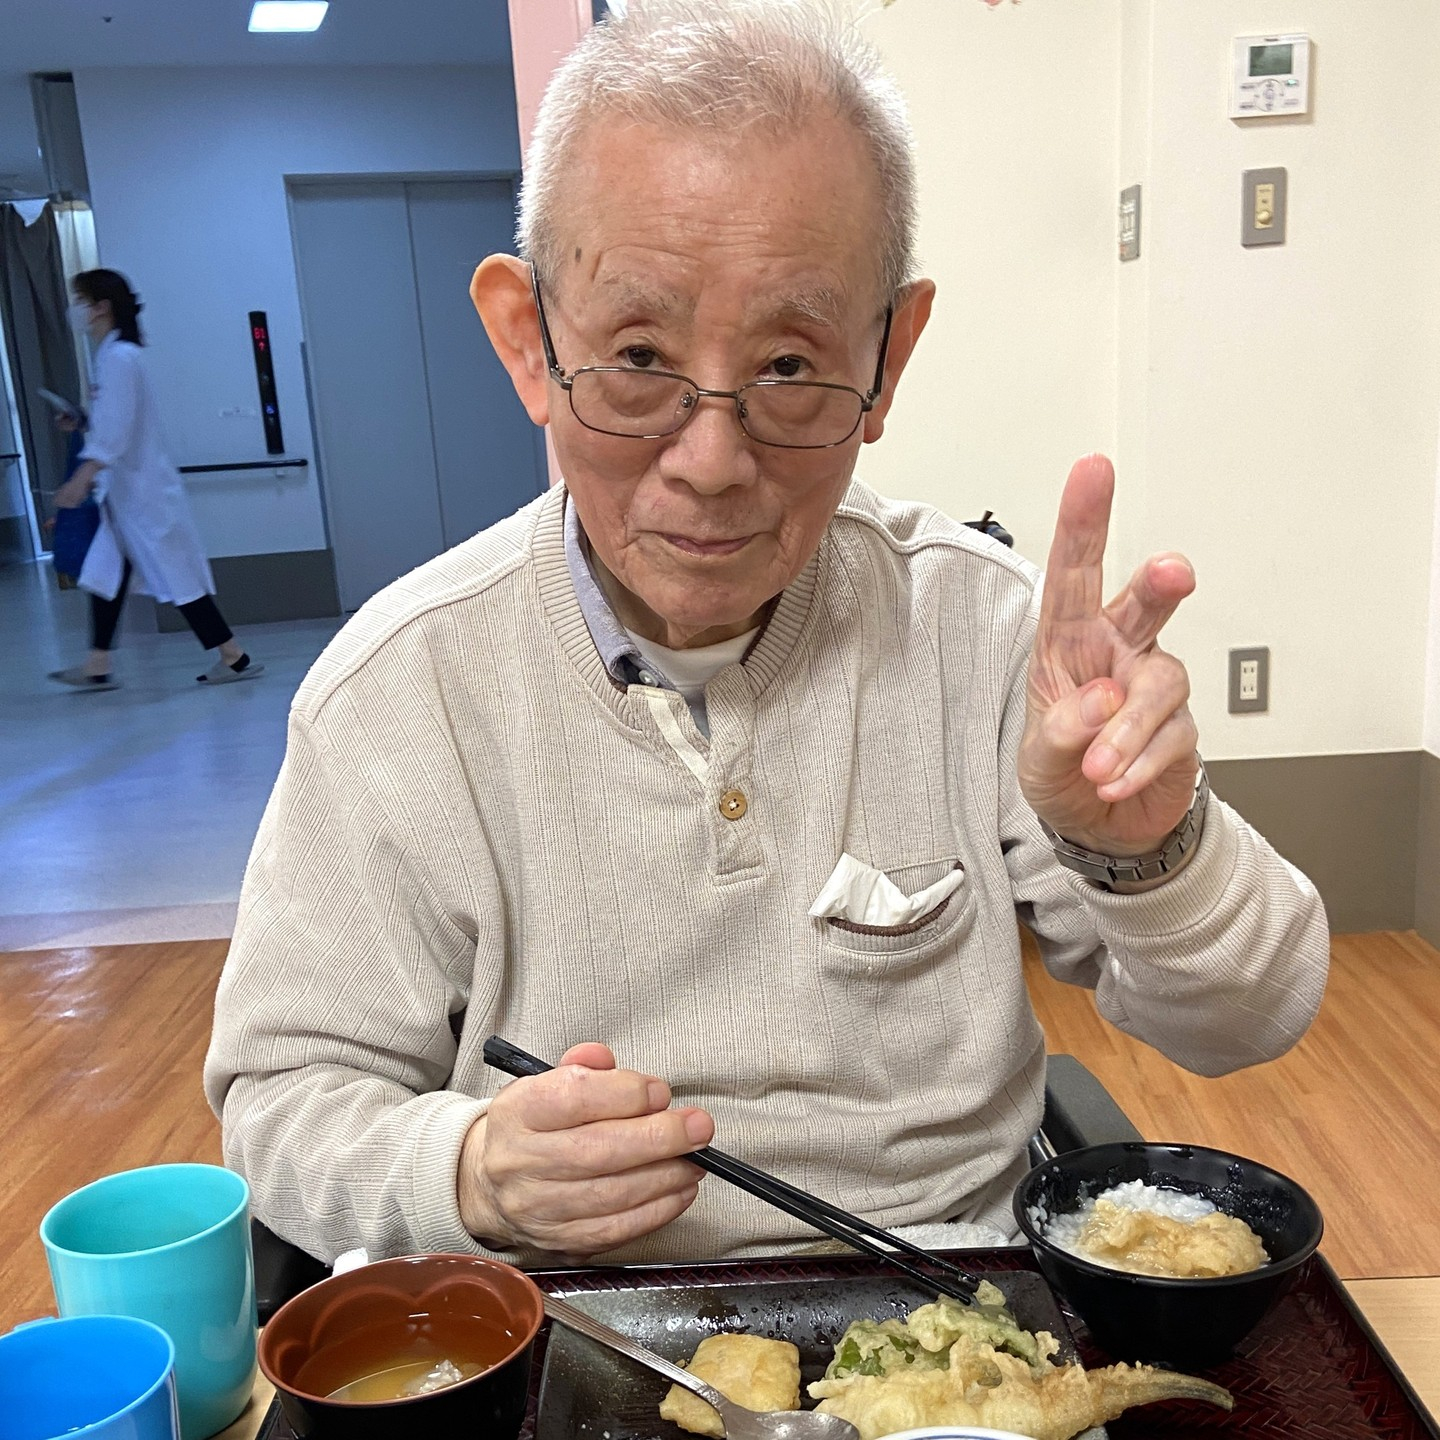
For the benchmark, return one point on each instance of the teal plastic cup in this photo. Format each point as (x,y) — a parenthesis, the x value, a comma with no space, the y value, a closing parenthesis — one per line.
(92,1377)
(169,1244)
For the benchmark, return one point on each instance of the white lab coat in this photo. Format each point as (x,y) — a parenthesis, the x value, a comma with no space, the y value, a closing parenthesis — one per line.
(144,516)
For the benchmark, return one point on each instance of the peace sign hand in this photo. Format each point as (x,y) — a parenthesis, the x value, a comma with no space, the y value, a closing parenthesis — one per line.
(1108,755)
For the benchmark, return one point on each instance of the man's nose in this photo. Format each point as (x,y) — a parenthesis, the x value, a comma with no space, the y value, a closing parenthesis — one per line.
(710,452)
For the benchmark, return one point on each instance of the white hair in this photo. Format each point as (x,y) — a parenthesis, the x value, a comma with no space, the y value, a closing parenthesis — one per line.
(721,66)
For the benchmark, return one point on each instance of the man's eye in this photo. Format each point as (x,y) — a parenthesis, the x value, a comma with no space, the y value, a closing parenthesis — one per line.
(639,357)
(787,367)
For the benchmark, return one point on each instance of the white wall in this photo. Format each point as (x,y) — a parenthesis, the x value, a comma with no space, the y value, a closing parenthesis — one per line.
(1015,113)
(1273,412)
(1293,391)
(187,171)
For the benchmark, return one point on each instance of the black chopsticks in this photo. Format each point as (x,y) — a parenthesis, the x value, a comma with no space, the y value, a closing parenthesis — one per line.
(843,1226)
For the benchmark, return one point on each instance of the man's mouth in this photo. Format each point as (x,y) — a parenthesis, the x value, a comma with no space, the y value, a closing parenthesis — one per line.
(687,546)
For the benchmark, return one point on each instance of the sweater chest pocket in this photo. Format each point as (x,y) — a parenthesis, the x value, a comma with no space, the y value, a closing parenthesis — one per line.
(940,928)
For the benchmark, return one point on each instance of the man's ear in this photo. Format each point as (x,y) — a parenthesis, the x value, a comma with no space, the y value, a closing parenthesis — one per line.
(501,291)
(905,326)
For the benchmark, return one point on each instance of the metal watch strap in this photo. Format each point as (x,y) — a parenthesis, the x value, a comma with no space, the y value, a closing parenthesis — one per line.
(1113,869)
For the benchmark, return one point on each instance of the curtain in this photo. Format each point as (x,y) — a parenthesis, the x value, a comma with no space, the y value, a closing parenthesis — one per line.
(37,338)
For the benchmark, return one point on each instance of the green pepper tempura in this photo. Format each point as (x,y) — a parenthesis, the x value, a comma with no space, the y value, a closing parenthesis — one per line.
(882,1347)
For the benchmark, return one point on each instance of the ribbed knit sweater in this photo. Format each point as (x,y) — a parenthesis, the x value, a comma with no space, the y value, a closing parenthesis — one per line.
(476,830)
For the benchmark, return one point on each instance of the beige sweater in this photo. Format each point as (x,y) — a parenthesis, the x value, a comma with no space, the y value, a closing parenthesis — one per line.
(475,830)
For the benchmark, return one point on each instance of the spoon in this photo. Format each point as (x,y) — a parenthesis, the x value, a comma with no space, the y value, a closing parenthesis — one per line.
(740,1423)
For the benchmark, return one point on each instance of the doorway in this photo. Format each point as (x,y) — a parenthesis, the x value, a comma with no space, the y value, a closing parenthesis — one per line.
(421,438)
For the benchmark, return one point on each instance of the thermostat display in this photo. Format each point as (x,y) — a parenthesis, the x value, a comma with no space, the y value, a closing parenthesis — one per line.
(1272,60)
(1271,76)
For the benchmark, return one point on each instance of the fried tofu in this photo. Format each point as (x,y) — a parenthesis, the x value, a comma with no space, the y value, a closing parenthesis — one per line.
(757,1373)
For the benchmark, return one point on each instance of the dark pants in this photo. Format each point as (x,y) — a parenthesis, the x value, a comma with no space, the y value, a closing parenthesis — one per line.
(202,616)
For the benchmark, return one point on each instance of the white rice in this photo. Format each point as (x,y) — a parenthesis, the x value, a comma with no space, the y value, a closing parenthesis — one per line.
(1064,1230)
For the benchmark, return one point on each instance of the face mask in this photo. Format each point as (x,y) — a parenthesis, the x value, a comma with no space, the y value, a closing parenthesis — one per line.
(79,317)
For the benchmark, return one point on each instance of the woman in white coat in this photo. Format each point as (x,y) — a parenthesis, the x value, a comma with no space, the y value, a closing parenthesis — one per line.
(146,536)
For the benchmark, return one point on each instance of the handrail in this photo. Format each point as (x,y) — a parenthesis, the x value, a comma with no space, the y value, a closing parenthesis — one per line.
(245,465)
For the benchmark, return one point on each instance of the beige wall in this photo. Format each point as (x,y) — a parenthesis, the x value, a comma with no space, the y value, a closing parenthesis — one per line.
(1016,114)
(1272,412)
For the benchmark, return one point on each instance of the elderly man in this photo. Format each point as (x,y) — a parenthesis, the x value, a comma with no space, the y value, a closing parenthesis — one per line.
(711,774)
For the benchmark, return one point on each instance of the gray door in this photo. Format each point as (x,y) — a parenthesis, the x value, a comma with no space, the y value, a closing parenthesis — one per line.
(422,440)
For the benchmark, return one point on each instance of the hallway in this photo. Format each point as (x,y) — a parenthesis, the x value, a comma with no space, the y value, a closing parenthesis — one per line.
(127,816)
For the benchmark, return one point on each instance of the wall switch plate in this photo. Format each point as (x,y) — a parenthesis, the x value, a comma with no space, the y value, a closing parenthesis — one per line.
(1130,223)
(1263,202)
(1250,681)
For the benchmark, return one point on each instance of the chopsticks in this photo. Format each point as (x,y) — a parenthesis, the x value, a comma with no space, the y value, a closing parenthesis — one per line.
(843,1226)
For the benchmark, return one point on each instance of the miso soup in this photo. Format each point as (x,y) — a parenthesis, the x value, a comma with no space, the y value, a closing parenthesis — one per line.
(380,1360)
(401,1382)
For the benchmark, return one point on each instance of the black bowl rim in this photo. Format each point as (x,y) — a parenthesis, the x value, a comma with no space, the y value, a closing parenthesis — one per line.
(521,1349)
(1166,1282)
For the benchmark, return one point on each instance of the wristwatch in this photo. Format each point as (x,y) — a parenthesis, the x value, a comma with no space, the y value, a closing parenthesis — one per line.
(1110,870)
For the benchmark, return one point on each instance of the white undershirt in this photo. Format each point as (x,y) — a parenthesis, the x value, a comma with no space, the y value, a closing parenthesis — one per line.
(689,671)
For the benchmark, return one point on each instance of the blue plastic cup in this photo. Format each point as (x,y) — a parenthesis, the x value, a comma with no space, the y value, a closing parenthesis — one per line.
(96,1377)
(169,1244)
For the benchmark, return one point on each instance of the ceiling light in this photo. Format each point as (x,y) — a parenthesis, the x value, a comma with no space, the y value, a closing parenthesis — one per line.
(288,16)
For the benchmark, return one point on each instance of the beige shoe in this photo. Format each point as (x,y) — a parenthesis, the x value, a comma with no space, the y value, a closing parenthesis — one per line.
(222,674)
(77,677)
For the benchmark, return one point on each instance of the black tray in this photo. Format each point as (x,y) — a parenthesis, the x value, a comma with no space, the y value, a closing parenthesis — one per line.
(1312,1370)
(588,1390)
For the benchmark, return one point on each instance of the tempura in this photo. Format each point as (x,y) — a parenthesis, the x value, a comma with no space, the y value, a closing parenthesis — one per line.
(949,1364)
(755,1372)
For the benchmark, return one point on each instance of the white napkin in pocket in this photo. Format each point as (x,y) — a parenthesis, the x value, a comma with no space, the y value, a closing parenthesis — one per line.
(864,895)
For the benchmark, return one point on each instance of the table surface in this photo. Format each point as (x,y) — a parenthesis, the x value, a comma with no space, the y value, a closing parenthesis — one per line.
(1404,1313)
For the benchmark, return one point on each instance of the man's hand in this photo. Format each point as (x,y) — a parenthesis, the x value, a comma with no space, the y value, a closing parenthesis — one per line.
(579,1160)
(1108,755)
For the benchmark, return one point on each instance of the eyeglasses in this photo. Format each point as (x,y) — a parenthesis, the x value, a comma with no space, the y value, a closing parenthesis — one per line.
(651,404)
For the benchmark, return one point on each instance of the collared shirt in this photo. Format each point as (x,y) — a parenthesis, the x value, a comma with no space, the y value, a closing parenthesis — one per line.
(628,659)
(619,653)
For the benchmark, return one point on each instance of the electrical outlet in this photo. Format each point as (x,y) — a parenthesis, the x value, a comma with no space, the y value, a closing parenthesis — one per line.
(1249,681)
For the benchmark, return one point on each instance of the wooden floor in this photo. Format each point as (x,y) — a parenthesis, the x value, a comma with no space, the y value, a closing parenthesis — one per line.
(1352,1112)
(100,1056)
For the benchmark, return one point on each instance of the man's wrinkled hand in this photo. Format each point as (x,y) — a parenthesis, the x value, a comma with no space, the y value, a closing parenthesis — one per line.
(580,1160)
(1108,756)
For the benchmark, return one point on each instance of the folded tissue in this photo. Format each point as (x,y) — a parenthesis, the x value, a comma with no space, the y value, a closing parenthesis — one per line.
(864,895)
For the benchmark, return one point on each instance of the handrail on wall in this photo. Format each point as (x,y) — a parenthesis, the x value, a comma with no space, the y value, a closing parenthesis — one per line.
(245,465)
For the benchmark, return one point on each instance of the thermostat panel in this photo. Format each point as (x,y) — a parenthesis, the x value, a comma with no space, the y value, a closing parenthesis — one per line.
(1271,76)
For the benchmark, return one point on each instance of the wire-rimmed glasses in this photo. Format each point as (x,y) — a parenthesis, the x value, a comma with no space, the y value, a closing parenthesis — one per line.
(651,404)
